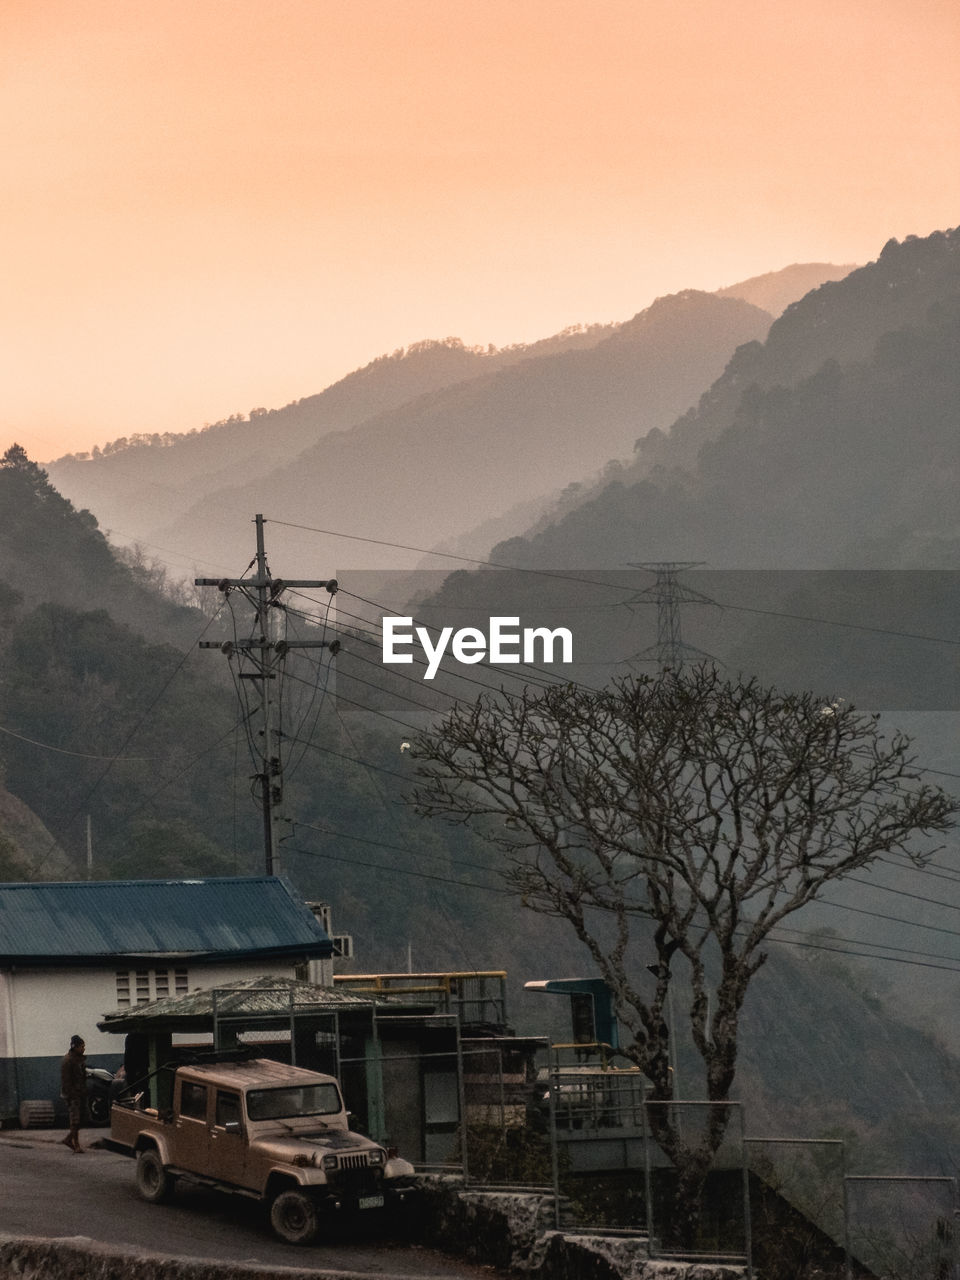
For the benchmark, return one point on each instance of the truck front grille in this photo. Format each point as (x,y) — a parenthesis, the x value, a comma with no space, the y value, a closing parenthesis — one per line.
(353,1162)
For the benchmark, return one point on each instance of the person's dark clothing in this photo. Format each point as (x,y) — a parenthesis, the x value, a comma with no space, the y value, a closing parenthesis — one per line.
(73,1084)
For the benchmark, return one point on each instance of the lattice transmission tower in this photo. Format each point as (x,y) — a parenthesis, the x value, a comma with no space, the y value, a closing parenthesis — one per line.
(668,593)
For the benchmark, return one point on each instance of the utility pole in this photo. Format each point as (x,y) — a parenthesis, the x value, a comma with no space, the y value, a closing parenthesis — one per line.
(266,655)
(669,594)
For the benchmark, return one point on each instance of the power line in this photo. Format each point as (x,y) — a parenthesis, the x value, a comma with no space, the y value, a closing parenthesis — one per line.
(770,938)
(403,871)
(902,893)
(79,755)
(593,582)
(339,755)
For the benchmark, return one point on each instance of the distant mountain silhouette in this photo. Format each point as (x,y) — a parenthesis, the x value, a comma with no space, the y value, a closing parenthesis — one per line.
(142,481)
(142,487)
(831,443)
(776,290)
(463,454)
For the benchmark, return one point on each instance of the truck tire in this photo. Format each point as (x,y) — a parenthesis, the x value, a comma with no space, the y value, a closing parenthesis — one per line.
(98,1109)
(293,1217)
(153,1182)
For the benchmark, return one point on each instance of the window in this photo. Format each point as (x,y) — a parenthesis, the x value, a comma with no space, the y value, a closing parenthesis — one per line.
(228,1108)
(301,1100)
(193,1100)
(142,986)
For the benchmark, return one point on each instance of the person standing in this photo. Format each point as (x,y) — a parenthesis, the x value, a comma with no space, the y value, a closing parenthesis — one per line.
(73,1088)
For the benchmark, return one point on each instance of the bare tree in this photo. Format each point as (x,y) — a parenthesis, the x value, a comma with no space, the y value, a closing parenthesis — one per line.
(680,816)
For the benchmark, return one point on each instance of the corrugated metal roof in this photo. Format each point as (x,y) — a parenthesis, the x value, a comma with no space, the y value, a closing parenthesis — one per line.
(229,917)
(264,997)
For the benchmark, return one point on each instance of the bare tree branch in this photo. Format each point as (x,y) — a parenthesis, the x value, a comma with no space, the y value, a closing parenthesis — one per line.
(693,814)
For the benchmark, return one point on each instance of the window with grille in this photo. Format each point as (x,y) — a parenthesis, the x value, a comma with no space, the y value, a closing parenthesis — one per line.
(141,986)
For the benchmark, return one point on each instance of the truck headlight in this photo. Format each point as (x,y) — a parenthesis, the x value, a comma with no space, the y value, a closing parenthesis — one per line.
(378,1156)
(328,1163)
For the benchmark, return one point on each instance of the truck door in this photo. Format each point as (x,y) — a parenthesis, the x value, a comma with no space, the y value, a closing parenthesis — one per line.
(191,1127)
(228,1148)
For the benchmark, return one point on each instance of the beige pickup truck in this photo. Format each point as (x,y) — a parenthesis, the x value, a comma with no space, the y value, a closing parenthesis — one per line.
(259,1128)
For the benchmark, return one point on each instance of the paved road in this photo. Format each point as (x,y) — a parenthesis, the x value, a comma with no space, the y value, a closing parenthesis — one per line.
(46,1190)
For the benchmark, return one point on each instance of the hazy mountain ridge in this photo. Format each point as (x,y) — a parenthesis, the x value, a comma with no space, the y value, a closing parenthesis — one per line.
(774,291)
(140,486)
(823,1053)
(839,320)
(138,481)
(813,448)
(456,456)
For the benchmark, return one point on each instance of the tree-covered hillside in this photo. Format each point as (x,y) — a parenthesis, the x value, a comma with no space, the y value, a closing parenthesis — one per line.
(122,739)
(832,444)
(143,482)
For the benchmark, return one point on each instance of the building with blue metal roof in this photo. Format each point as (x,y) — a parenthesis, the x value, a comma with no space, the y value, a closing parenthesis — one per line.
(71,953)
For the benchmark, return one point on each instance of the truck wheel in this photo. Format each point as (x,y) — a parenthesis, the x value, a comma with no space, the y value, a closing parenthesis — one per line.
(98,1109)
(293,1217)
(153,1182)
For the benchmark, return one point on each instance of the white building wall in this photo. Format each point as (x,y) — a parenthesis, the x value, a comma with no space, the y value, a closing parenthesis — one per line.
(45,1007)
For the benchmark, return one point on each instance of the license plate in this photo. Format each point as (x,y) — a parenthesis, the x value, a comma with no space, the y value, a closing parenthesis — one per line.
(370,1202)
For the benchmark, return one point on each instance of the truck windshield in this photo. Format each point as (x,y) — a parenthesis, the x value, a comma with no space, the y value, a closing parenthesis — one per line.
(299,1100)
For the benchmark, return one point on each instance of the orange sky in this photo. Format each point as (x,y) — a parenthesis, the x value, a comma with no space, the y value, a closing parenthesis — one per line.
(211,205)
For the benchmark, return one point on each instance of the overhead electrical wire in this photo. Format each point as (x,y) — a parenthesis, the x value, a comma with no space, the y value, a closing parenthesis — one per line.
(822,901)
(563,577)
(770,938)
(186,767)
(918,869)
(79,755)
(877,948)
(579,684)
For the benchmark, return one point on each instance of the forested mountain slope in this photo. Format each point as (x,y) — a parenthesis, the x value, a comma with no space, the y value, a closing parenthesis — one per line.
(454,458)
(141,486)
(142,481)
(833,443)
(50,551)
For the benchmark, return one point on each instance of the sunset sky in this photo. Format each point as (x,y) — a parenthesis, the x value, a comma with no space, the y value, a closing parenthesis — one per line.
(214,205)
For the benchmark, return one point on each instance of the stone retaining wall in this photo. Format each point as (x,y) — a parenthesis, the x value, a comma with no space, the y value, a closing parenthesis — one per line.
(512,1231)
(79,1258)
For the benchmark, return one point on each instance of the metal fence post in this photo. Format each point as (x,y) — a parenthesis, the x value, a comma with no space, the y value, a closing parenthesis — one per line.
(747,1220)
(647,1176)
(554,1084)
(462,1102)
